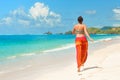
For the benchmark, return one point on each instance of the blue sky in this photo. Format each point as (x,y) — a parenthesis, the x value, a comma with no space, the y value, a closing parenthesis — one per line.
(39,16)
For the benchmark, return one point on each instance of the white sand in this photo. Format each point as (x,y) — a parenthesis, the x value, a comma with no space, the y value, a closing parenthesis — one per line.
(103,64)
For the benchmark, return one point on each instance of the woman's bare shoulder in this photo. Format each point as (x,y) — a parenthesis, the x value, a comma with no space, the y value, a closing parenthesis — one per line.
(75,25)
(84,25)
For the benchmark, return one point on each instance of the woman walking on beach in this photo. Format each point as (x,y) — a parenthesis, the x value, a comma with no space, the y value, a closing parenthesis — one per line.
(81,42)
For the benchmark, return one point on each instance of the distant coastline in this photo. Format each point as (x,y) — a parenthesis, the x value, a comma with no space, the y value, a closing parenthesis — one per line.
(95,30)
(91,30)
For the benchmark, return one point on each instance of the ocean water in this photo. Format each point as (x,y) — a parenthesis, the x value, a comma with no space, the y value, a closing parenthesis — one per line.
(12,46)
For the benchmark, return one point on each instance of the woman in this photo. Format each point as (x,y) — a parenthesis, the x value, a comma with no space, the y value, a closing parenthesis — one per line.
(81,42)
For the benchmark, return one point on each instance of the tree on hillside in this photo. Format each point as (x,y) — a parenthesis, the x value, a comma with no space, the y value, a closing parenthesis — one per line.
(94,30)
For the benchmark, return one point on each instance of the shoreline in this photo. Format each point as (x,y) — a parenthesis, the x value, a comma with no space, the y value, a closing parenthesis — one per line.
(60,48)
(61,64)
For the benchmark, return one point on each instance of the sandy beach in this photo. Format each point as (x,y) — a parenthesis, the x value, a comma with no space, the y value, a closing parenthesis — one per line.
(102,64)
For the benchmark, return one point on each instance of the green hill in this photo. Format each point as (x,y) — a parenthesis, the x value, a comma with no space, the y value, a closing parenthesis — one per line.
(103,30)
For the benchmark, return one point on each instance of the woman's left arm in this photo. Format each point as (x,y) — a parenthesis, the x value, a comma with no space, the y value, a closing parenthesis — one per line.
(73,31)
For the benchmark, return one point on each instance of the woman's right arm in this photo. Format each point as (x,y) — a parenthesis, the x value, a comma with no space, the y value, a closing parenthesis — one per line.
(73,31)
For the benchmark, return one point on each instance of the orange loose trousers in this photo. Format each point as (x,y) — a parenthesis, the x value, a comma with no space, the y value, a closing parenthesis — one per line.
(81,50)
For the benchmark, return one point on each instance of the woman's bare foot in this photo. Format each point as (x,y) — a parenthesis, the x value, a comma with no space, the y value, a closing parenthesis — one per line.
(78,69)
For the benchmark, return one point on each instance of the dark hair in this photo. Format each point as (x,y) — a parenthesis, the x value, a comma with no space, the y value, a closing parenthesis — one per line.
(80,19)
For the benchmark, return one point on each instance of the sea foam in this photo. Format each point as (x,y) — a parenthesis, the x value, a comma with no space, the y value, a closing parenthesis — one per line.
(61,48)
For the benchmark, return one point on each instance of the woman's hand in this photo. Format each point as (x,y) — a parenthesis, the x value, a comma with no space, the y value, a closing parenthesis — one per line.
(91,40)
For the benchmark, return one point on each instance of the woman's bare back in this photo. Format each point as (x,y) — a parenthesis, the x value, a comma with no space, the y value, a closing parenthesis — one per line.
(79,30)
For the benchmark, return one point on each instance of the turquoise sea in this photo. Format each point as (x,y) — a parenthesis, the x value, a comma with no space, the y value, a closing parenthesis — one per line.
(12,46)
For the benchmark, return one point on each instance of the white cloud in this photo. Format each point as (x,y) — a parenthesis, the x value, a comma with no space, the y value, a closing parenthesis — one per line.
(54,14)
(42,14)
(39,10)
(116,25)
(18,12)
(6,21)
(116,12)
(90,12)
(39,15)
(24,22)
